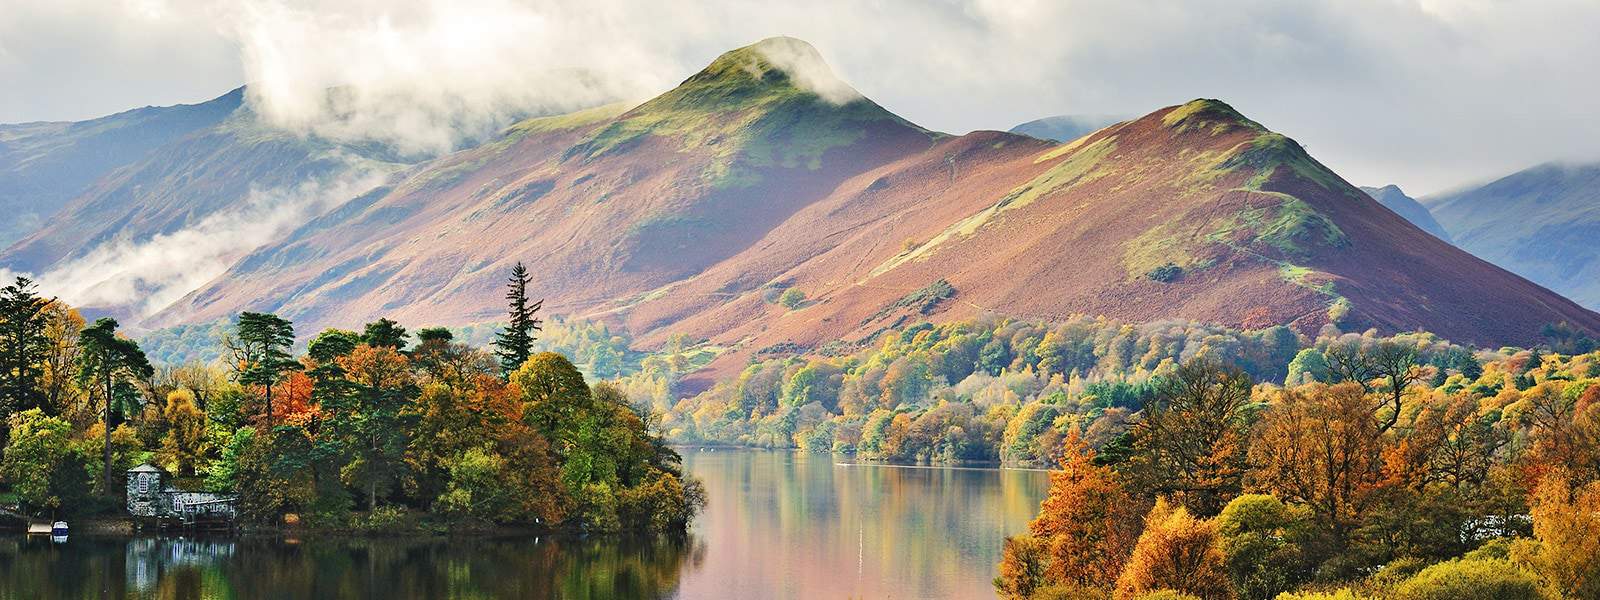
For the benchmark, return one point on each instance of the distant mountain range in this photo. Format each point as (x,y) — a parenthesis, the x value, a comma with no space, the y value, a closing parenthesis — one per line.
(692,212)
(1542,223)
(44,165)
(1393,199)
(1065,128)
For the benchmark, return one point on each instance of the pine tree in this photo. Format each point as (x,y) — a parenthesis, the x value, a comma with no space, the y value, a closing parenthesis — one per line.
(261,352)
(108,361)
(23,344)
(515,343)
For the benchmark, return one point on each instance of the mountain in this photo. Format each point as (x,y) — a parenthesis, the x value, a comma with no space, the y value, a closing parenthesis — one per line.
(1541,223)
(690,213)
(44,165)
(1064,128)
(1393,199)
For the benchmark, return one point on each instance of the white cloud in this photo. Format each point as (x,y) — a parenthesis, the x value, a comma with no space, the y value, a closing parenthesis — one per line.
(1425,93)
(151,274)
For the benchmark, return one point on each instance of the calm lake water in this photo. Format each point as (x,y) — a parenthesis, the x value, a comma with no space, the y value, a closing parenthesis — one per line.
(779,525)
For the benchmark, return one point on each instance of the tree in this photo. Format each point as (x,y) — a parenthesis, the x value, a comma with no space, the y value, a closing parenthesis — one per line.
(184,445)
(109,361)
(384,333)
(1086,527)
(1191,441)
(1321,447)
(61,357)
(24,318)
(1566,523)
(792,298)
(1259,535)
(37,446)
(261,353)
(514,344)
(376,423)
(1176,552)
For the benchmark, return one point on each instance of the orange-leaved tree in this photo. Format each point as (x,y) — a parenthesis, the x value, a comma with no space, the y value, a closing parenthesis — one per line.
(1176,552)
(1087,526)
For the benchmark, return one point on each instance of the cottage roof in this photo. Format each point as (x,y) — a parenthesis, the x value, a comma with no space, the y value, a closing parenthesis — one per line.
(146,468)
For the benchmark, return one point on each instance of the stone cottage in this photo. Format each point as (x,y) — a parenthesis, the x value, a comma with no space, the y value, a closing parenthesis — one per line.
(151,493)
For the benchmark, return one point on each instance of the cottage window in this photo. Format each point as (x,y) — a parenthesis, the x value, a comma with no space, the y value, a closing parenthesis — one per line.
(144,486)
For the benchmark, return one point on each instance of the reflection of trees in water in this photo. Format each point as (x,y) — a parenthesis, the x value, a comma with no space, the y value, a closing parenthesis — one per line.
(171,568)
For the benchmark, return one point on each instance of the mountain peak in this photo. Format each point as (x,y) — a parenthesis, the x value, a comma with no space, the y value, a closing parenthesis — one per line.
(1206,113)
(782,62)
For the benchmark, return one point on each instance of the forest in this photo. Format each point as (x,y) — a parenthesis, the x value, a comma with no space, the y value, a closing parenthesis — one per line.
(377,430)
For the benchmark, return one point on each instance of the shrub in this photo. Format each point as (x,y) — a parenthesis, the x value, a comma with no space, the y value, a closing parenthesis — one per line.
(792,298)
(382,519)
(1166,273)
(1463,578)
(1343,594)
(1166,595)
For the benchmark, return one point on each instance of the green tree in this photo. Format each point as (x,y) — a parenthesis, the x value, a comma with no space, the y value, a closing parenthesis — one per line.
(23,346)
(108,361)
(261,352)
(384,333)
(38,445)
(792,298)
(514,344)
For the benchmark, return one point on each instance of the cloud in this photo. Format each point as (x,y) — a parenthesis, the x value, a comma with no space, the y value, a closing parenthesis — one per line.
(806,69)
(1425,93)
(151,274)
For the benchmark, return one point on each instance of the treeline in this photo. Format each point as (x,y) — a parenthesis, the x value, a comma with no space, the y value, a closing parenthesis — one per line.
(369,429)
(1386,468)
(985,390)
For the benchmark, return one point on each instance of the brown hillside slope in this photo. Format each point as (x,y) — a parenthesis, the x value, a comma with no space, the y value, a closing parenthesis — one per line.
(690,212)
(1243,226)
(601,205)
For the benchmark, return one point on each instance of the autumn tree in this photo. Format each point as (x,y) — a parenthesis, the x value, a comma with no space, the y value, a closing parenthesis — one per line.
(1320,446)
(1566,527)
(24,344)
(1176,552)
(1086,527)
(184,445)
(514,344)
(59,364)
(109,361)
(261,352)
(1191,441)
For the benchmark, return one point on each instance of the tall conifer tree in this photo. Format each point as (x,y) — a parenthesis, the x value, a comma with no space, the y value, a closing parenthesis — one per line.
(514,344)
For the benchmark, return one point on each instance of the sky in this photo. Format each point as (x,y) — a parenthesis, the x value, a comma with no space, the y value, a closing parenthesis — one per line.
(1429,94)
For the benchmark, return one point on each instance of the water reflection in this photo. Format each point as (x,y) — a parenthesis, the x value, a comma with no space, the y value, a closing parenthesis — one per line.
(783,525)
(779,525)
(183,568)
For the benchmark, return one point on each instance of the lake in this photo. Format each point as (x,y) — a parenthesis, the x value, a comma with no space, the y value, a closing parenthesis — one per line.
(778,525)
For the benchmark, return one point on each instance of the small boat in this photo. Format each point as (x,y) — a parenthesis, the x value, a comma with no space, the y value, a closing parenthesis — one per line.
(59,529)
(39,529)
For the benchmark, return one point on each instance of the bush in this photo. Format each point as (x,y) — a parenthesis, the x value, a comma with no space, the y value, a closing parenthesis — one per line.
(382,519)
(1456,579)
(1166,273)
(792,298)
(1166,595)
(1344,594)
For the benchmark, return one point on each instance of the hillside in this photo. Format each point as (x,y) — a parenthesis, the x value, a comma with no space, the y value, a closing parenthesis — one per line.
(1392,198)
(45,165)
(605,204)
(1540,223)
(692,212)
(1064,128)
(142,235)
